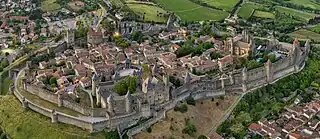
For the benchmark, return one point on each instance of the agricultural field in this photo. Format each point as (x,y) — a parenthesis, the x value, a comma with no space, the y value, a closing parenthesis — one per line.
(76,5)
(300,14)
(189,11)
(263,14)
(21,124)
(224,4)
(152,13)
(247,8)
(316,29)
(117,3)
(306,3)
(305,34)
(50,6)
(204,115)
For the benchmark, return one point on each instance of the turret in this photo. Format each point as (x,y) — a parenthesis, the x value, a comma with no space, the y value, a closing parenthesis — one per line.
(244,79)
(153,69)
(110,101)
(95,79)
(187,78)
(128,101)
(269,71)
(128,63)
(165,79)
(307,46)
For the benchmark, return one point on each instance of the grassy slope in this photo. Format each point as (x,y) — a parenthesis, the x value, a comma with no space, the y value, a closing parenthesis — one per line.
(263,14)
(247,8)
(20,124)
(306,3)
(189,11)
(151,12)
(204,116)
(6,84)
(305,34)
(300,14)
(224,4)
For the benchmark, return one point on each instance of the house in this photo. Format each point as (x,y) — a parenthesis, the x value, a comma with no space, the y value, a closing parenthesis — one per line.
(85,82)
(43,65)
(168,59)
(225,62)
(94,36)
(174,47)
(62,81)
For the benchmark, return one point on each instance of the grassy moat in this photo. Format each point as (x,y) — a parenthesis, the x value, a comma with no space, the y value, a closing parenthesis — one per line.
(21,124)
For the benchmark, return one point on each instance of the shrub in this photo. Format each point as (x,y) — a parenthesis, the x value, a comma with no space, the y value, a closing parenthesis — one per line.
(149,129)
(191,101)
(190,129)
(202,137)
(182,108)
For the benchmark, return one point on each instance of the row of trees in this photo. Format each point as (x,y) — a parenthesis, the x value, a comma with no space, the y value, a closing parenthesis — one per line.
(267,102)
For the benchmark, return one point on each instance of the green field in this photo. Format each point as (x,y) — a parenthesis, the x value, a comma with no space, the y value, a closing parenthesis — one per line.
(305,34)
(151,12)
(247,8)
(300,14)
(116,3)
(189,11)
(263,14)
(316,29)
(50,6)
(224,4)
(306,3)
(20,124)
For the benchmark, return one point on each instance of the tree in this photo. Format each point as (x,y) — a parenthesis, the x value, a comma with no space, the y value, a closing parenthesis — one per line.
(4,62)
(190,129)
(53,81)
(121,42)
(202,137)
(125,84)
(112,135)
(252,64)
(108,26)
(190,101)
(137,36)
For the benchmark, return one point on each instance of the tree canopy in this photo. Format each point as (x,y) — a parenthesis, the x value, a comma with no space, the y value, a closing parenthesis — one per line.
(125,84)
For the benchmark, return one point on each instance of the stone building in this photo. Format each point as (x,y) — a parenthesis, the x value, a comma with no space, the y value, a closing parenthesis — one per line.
(94,36)
(240,45)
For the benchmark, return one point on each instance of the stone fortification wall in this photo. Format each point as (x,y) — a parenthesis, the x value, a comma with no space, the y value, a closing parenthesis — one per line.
(281,64)
(42,93)
(256,73)
(76,107)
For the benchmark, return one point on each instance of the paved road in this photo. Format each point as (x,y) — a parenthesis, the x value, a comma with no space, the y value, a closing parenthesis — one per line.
(21,59)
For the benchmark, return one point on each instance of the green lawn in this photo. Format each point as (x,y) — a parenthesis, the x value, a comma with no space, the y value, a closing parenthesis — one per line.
(303,15)
(151,12)
(263,14)
(224,4)
(189,11)
(247,9)
(306,3)
(20,124)
(305,34)
(50,5)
